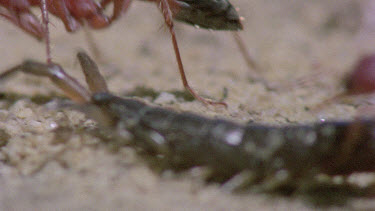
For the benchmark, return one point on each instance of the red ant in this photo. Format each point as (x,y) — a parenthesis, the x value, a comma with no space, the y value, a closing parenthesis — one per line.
(210,14)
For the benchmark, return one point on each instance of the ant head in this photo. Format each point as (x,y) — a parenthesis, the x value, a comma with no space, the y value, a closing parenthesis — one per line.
(209,14)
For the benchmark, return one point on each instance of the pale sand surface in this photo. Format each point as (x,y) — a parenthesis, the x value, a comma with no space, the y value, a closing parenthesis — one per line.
(41,169)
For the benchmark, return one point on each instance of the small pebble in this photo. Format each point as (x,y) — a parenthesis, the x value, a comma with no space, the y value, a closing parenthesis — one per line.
(165,98)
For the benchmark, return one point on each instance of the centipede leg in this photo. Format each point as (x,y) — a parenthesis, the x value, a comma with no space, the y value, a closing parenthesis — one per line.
(167,14)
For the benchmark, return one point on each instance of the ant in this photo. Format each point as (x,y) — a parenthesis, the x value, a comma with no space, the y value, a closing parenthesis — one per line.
(208,14)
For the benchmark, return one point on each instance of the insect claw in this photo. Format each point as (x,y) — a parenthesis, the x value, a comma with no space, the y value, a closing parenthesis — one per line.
(203,100)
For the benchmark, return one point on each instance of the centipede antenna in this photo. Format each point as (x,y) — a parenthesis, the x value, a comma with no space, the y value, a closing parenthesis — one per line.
(71,87)
(94,79)
(45,19)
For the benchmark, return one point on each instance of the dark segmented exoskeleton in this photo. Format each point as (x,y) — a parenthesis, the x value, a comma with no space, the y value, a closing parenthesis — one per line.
(209,14)
(266,157)
(188,140)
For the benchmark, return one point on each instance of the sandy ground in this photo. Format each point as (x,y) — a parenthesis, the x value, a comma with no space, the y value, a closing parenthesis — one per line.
(45,168)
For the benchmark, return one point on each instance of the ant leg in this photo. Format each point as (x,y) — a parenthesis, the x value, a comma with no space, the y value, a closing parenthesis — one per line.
(119,7)
(26,21)
(60,9)
(250,61)
(93,47)
(71,87)
(43,7)
(251,64)
(164,6)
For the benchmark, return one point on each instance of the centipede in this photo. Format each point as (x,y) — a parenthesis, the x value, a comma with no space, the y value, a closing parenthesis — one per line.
(208,14)
(254,156)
